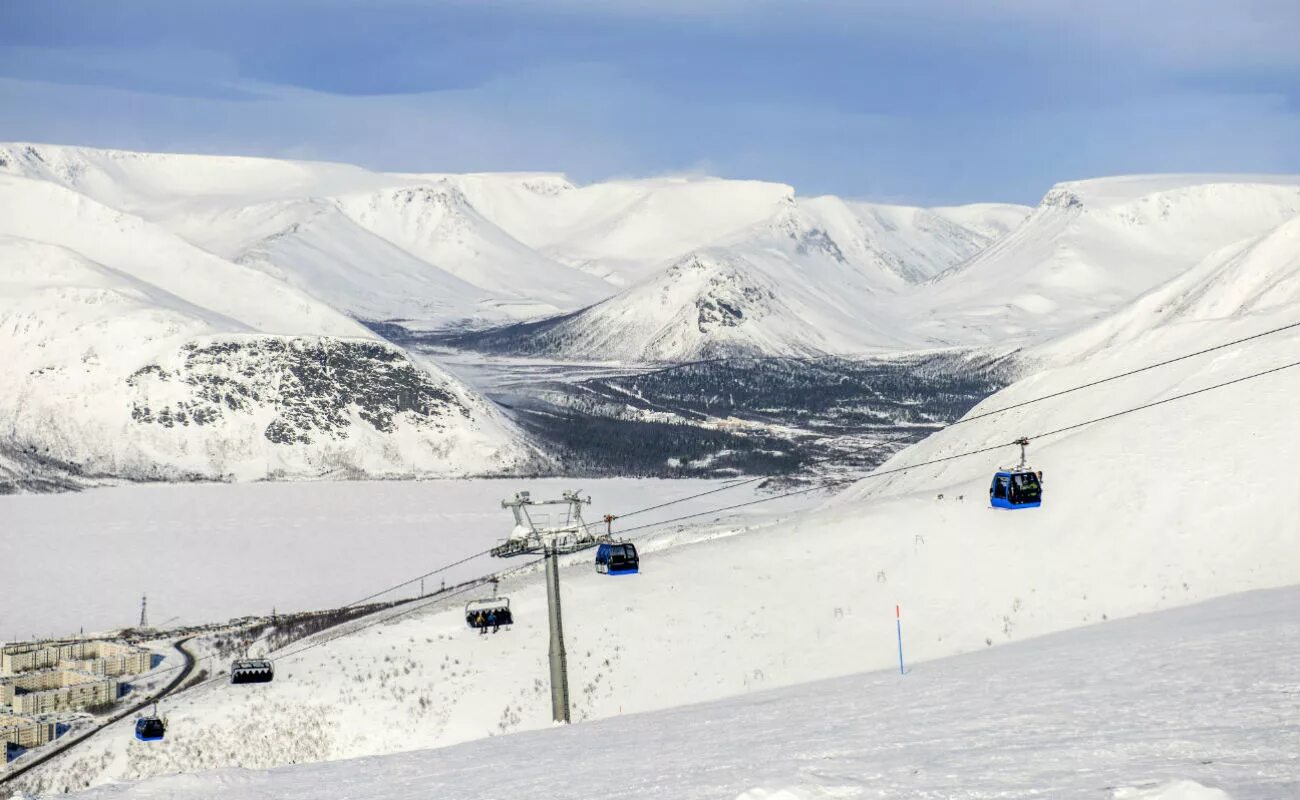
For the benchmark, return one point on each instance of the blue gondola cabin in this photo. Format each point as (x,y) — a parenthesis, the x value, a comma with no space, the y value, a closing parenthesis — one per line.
(150,729)
(617,558)
(1016,489)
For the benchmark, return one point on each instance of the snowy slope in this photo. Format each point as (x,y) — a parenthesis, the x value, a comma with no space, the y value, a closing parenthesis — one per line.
(1091,246)
(436,223)
(623,230)
(1259,275)
(315,247)
(905,243)
(990,219)
(1147,511)
(1179,705)
(202,368)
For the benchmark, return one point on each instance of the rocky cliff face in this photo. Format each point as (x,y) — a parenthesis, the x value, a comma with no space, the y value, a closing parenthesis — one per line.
(315,387)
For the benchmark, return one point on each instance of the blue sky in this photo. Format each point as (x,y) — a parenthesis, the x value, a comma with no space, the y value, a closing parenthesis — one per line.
(912,101)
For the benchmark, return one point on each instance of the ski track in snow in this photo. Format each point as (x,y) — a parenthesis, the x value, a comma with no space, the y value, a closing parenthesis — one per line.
(1171,705)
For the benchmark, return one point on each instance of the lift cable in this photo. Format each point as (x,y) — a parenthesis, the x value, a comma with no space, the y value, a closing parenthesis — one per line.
(1005,409)
(415,606)
(411,607)
(408,608)
(1130,373)
(688,497)
(967,453)
(443,568)
(983,415)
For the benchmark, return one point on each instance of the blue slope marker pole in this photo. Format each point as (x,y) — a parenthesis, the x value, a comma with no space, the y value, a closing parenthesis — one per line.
(898,621)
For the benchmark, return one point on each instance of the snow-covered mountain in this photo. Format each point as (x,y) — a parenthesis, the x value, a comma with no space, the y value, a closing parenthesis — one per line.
(434,250)
(127,351)
(155,260)
(818,276)
(1253,276)
(1091,246)
(827,276)
(163,316)
(711,303)
(437,250)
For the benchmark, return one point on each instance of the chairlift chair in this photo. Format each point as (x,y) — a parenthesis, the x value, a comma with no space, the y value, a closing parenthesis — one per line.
(488,612)
(252,670)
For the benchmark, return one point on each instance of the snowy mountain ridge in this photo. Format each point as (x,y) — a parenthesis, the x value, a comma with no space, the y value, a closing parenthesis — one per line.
(1092,246)
(856,278)
(435,249)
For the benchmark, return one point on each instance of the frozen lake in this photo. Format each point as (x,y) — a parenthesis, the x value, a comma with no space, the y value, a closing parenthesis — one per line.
(209,552)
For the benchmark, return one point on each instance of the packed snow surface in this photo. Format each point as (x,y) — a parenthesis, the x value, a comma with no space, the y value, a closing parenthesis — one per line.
(1192,704)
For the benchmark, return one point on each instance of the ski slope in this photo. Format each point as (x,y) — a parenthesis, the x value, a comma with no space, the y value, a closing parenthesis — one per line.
(1148,510)
(1179,705)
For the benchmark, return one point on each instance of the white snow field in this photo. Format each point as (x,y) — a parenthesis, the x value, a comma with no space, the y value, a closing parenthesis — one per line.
(1193,704)
(212,552)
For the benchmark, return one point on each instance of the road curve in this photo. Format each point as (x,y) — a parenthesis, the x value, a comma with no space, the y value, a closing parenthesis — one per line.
(44,758)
